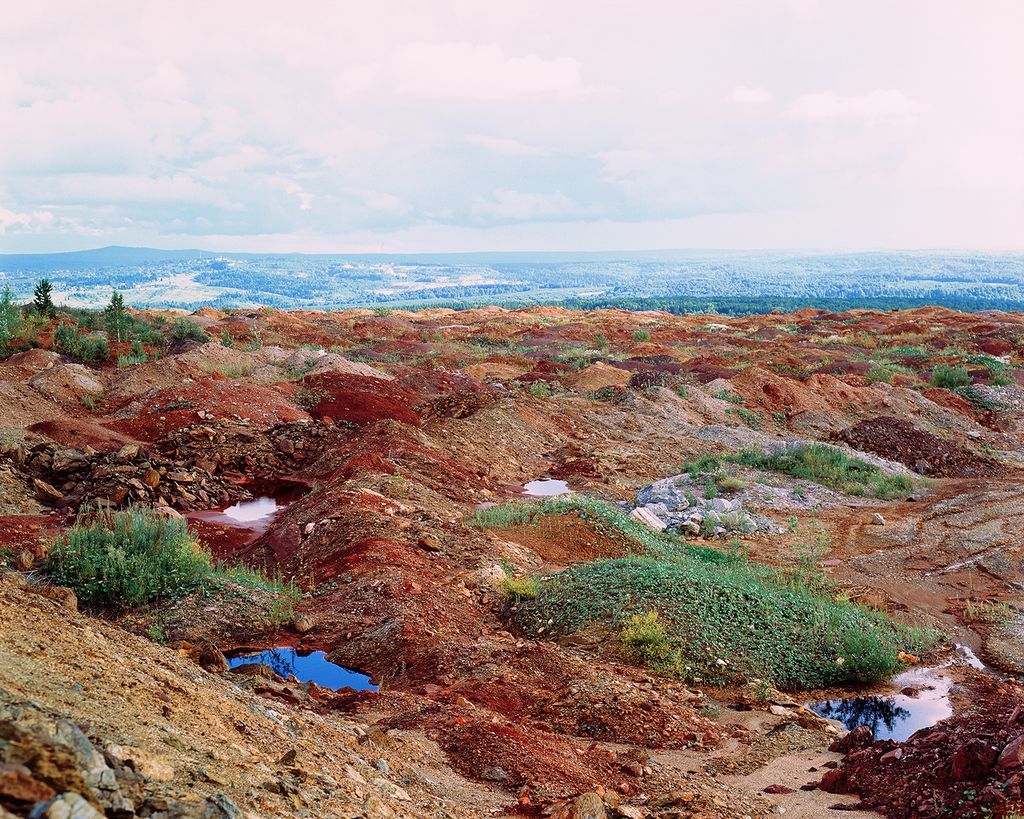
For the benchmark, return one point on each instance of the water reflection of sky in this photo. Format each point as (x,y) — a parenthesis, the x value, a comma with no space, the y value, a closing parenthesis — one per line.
(312,666)
(546,488)
(895,716)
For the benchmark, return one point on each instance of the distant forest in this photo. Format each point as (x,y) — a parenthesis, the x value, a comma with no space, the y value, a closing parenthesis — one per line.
(726,282)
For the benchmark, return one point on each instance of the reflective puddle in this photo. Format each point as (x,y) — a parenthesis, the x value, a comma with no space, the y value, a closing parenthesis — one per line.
(546,488)
(306,666)
(922,701)
(256,514)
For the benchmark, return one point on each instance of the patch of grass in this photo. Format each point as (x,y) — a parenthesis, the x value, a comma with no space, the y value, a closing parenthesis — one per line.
(90,401)
(518,589)
(995,613)
(949,376)
(728,395)
(641,335)
(751,419)
(307,399)
(878,374)
(731,483)
(226,370)
(829,467)
(727,621)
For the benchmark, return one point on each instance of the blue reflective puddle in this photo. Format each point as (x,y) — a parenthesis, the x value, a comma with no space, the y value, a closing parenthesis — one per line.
(895,716)
(307,666)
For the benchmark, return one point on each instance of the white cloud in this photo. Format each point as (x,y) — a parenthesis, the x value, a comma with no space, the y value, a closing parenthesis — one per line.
(882,104)
(517,206)
(481,72)
(506,146)
(750,95)
(25,222)
(437,125)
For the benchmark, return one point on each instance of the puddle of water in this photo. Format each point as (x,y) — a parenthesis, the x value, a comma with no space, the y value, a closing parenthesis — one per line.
(969,657)
(256,514)
(307,666)
(546,488)
(895,716)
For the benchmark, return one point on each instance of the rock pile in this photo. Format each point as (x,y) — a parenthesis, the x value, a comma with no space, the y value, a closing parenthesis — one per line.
(899,440)
(66,477)
(235,446)
(679,503)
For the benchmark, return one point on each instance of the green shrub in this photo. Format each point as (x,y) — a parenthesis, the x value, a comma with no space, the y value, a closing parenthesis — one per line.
(517,589)
(730,483)
(123,559)
(186,330)
(225,339)
(641,335)
(646,640)
(10,321)
(539,389)
(950,377)
(65,339)
(137,355)
(93,347)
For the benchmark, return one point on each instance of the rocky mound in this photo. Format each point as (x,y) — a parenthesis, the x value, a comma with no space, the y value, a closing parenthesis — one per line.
(67,477)
(899,440)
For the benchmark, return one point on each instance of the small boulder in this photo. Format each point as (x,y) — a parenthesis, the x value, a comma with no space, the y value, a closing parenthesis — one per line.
(860,737)
(302,623)
(648,518)
(877,519)
(584,806)
(1012,755)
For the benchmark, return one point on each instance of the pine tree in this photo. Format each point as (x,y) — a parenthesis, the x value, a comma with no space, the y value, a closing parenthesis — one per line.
(42,299)
(117,317)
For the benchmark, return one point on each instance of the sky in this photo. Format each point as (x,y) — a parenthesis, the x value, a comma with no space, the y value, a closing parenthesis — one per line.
(449,125)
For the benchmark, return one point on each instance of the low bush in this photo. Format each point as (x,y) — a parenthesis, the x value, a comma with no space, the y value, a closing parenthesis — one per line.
(517,589)
(186,330)
(92,347)
(646,639)
(123,559)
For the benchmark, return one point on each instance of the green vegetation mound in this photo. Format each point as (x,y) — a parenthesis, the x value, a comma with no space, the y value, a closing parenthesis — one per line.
(722,623)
